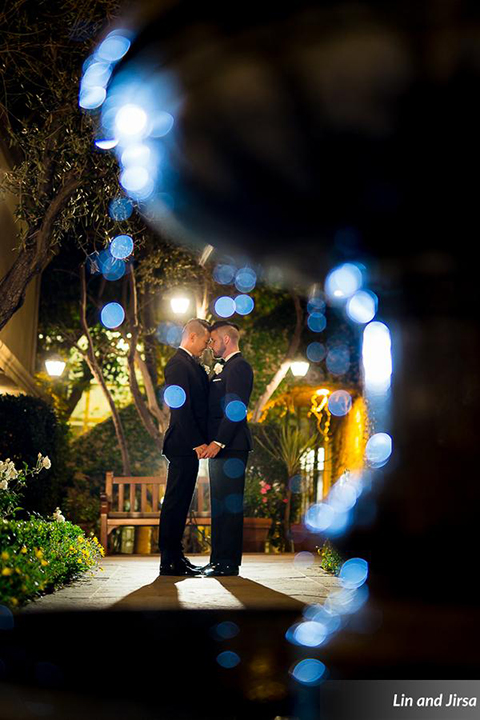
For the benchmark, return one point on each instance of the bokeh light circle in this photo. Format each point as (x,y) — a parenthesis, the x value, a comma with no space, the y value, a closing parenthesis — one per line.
(378,449)
(224,274)
(362,307)
(340,403)
(245,280)
(112,315)
(353,573)
(308,671)
(236,410)
(244,304)
(338,360)
(92,97)
(317,322)
(225,306)
(316,352)
(174,396)
(120,208)
(228,659)
(309,634)
(342,282)
(121,246)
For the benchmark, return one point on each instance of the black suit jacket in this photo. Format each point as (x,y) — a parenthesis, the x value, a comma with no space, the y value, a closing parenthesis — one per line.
(235,382)
(188,423)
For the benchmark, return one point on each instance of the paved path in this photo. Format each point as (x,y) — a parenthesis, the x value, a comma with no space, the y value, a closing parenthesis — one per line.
(278,582)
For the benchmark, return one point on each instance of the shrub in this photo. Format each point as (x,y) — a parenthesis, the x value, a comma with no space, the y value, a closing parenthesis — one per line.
(28,426)
(38,556)
(331,560)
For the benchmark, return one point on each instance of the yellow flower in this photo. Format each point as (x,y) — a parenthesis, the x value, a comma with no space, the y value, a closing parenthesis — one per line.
(17,570)
(14,601)
(23,550)
(5,555)
(39,553)
(44,562)
(80,538)
(7,571)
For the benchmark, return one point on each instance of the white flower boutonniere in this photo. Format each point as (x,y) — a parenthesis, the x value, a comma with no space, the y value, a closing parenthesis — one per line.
(217,368)
(206,368)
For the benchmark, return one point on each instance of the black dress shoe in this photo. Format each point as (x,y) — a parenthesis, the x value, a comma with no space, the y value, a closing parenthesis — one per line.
(221,570)
(190,564)
(179,568)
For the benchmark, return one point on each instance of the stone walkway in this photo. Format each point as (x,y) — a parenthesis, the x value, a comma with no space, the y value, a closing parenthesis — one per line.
(277,582)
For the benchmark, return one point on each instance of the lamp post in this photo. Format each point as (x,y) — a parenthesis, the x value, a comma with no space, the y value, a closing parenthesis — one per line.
(55,365)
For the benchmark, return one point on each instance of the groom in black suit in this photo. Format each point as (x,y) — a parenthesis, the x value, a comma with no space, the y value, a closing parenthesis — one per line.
(230,390)
(186,392)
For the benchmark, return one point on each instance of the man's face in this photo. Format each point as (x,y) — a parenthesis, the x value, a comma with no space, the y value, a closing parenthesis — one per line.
(199,343)
(217,344)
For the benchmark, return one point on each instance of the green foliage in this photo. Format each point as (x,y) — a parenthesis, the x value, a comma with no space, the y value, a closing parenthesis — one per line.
(97,451)
(38,556)
(29,426)
(266,335)
(266,486)
(331,560)
(44,45)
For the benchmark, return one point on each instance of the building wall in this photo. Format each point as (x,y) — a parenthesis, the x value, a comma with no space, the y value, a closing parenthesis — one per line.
(18,339)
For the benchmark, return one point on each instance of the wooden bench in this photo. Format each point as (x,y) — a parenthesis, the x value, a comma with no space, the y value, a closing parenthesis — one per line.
(140,503)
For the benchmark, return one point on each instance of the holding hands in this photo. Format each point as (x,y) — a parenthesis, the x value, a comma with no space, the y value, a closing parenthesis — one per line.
(207,451)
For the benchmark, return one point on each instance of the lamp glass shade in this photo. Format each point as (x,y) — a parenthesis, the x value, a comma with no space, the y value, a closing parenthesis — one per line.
(299,368)
(55,366)
(179,305)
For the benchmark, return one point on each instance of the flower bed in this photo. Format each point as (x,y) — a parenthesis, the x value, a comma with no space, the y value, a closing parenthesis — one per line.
(38,556)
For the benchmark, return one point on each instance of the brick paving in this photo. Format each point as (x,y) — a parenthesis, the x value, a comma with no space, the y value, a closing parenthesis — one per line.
(132,582)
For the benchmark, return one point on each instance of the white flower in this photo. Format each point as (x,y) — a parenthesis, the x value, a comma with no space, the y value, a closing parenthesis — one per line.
(9,471)
(46,462)
(4,485)
(57,515)
(218,368)
(206,368)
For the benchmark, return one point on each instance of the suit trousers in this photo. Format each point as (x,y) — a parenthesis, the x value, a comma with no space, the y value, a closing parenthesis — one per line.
(181,479)
(227,485)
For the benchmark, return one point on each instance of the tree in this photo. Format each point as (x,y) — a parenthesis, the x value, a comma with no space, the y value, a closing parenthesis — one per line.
(44,43)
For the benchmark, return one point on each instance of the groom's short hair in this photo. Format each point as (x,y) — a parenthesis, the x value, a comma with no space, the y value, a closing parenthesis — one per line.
(229,328)
(195,325)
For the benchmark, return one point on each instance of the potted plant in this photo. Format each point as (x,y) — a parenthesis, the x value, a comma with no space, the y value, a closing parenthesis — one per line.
(288,444)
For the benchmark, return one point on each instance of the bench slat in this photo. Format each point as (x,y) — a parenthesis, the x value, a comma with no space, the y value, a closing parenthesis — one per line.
(158,480)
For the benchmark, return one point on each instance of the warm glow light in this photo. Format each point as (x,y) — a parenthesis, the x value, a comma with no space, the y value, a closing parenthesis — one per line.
(55,366)
(179,305)
(323,391)
(299,368)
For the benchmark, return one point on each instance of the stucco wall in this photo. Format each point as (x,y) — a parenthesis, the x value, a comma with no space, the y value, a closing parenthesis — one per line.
(18,339)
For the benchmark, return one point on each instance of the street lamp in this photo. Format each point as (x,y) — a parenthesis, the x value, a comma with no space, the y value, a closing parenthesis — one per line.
(299,368)
(55,365)
(180,304)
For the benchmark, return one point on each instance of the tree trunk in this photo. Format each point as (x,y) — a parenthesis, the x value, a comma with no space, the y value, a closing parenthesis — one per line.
(35,256)
(96,371)
(145,417)
(286,362)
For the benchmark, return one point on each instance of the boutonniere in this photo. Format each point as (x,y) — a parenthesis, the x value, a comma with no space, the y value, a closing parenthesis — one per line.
(206,368)
(218,368)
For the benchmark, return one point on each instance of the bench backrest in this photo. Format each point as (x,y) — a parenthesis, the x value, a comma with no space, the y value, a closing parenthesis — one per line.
(141,496)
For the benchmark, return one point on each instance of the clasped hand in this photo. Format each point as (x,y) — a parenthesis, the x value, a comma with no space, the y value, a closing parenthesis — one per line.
(207,451)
